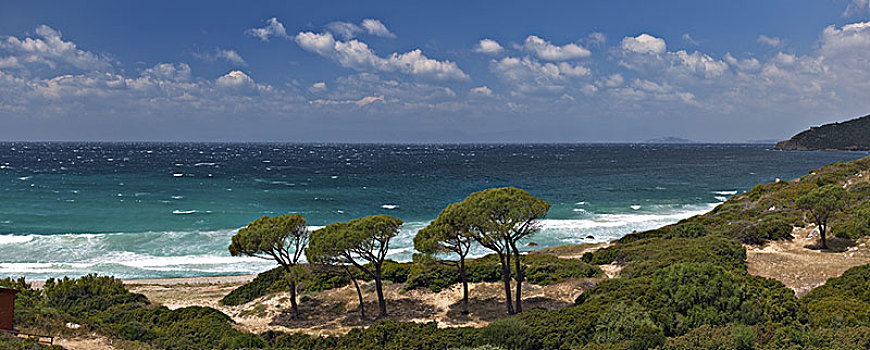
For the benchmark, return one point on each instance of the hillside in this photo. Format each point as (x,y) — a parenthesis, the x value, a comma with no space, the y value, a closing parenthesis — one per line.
(852,135)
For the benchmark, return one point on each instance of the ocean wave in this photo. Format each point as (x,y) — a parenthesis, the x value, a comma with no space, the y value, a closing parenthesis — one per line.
(14,239)
(725,193)
(204,252)
(184,212)
(389,206)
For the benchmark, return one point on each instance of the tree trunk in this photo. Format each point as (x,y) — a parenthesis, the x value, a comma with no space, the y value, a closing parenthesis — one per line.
(822,228)
(379,287)
(362,309)
(464,285)
(293,304)
(291,284)
(506,276)
(521,276)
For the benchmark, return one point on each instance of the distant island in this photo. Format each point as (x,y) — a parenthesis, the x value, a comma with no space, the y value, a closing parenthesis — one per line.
(852,135)
(668,139)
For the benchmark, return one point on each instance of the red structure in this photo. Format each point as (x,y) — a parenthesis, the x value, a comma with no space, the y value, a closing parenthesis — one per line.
(7,308)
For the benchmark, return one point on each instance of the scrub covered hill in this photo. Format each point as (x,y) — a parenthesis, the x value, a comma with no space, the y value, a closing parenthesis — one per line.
(852,135)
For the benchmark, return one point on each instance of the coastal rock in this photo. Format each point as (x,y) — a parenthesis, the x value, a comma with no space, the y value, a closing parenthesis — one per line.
(532,244)
(590,237)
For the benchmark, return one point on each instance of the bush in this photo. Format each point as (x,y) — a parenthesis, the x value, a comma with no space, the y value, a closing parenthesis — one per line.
(511,334)
(87,295)
(383,334)
(541,269)
(645,257)
(769,228)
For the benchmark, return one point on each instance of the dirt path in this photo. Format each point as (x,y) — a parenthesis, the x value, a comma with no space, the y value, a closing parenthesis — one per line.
(801,268)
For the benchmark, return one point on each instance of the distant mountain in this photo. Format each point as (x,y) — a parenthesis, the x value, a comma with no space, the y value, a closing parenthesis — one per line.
(669,139)
(852,135)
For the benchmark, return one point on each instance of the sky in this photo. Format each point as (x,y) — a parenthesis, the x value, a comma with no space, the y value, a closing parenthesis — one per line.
(430,72)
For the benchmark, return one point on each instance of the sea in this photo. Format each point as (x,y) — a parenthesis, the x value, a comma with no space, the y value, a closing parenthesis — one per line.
(150,210)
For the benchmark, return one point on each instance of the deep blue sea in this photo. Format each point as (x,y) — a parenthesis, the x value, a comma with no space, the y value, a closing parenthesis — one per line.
(169,209)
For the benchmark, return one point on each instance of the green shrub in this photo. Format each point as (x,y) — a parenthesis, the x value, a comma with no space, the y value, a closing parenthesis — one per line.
(768,228)
(628,323)
(645,257)
(511,334)
(383,334)
(87,295)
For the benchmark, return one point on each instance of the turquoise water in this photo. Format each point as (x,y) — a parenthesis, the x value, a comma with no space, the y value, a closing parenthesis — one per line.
(163,210)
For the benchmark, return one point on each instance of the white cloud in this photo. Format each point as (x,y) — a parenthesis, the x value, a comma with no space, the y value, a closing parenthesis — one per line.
(9,62)
(360,103)
(770,41)
(596,39)
(376,28)
(612,80)
(547,51)
(701,64)
(235,78)
(488,47)
(272,28)
(689,39)
(481,90)
(530,75)
(349,30)
(317,87)
(230,56)
(644,43)
(357,55)
(746,64)
(50,49)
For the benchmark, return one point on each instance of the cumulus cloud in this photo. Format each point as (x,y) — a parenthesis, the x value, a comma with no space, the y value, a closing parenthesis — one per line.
(644,43)
(349,30)
(547,51)
(359,56)
(488,47)
(235,78)
(481,91)
(771,41)
(528,75)
(273,28)
(50,49)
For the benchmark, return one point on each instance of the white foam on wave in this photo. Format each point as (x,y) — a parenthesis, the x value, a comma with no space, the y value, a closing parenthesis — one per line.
(177,174)
(389,206)
(721,198)
(13,239)
(184,212)
(635,207)
(725,193)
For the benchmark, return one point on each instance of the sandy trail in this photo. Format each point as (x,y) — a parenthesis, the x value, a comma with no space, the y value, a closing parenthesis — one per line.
(801,268)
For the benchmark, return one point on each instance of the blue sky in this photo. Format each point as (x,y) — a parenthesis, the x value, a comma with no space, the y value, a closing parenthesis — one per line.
(404,71)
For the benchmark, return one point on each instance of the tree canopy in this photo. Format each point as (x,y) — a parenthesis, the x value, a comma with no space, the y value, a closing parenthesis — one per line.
(357,242)
(280,238)
(822,203)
